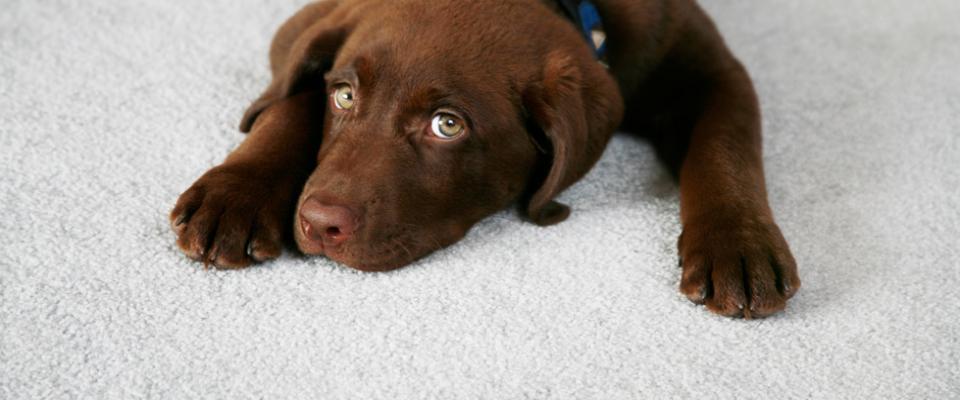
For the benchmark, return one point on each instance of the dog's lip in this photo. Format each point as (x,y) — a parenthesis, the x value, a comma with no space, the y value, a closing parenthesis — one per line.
(331,253)
(319,247)
(313,249)
(334,253)
(368,266)
(363,264)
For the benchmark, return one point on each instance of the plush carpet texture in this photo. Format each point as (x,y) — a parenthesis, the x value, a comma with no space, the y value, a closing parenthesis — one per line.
(109,109)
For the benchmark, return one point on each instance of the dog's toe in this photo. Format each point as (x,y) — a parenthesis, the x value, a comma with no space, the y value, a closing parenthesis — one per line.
(743,269)
(230,220)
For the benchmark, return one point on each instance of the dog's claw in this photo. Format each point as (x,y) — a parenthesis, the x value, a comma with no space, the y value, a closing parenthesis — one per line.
(746,271)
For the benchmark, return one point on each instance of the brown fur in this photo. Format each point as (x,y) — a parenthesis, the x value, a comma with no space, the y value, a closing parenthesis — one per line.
(538,109)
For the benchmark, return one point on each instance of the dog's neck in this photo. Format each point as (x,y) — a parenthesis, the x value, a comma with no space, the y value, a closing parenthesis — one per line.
(583,14)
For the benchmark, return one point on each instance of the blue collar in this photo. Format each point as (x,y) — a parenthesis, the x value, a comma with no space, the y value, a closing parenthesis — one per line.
(586,17)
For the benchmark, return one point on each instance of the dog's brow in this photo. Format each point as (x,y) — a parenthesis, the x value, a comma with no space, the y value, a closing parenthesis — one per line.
(361,72)
(432,97)
(341,75)
(365,70)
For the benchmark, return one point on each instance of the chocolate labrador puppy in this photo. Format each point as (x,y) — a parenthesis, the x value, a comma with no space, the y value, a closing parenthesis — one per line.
(393,126)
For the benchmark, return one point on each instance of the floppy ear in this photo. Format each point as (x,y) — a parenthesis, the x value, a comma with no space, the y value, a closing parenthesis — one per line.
(308,58)
(577,108)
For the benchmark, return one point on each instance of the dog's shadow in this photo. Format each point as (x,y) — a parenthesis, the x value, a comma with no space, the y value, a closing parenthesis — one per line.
(629,174)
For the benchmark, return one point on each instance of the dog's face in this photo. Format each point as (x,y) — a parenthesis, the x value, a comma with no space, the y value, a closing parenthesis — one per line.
(419,144)
(438,115)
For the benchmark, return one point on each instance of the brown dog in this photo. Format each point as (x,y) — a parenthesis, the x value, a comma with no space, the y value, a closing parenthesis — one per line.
(392,126)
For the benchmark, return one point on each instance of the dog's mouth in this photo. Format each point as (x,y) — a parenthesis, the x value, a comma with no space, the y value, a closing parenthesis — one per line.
(358,257)
(388,251)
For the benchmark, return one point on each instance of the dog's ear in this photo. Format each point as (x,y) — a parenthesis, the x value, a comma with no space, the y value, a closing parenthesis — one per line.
(307,59)
(577,108)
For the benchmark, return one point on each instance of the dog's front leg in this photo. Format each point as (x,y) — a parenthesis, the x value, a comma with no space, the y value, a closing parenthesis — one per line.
(734,258)
(242,210)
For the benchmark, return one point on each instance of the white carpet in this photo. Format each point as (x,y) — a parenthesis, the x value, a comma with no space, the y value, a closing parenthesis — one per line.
(109,109)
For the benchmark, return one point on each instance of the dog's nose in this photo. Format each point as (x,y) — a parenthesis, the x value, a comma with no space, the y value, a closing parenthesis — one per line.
(329,224)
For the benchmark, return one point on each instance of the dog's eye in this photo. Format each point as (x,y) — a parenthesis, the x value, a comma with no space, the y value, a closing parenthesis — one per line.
(343,97)
(446,126)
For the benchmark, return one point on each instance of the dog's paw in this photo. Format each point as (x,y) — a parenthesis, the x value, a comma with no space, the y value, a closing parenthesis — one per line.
(738,267)
(233,216)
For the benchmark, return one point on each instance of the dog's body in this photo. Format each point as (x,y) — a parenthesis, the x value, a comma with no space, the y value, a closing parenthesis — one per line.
(392,126)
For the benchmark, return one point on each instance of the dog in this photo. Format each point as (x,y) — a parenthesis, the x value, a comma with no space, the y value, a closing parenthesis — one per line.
(390,127)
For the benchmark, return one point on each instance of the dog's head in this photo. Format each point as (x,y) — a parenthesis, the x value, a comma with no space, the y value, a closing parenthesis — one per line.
(439,114)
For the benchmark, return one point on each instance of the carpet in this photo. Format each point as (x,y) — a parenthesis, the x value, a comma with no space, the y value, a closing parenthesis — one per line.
(109,109)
